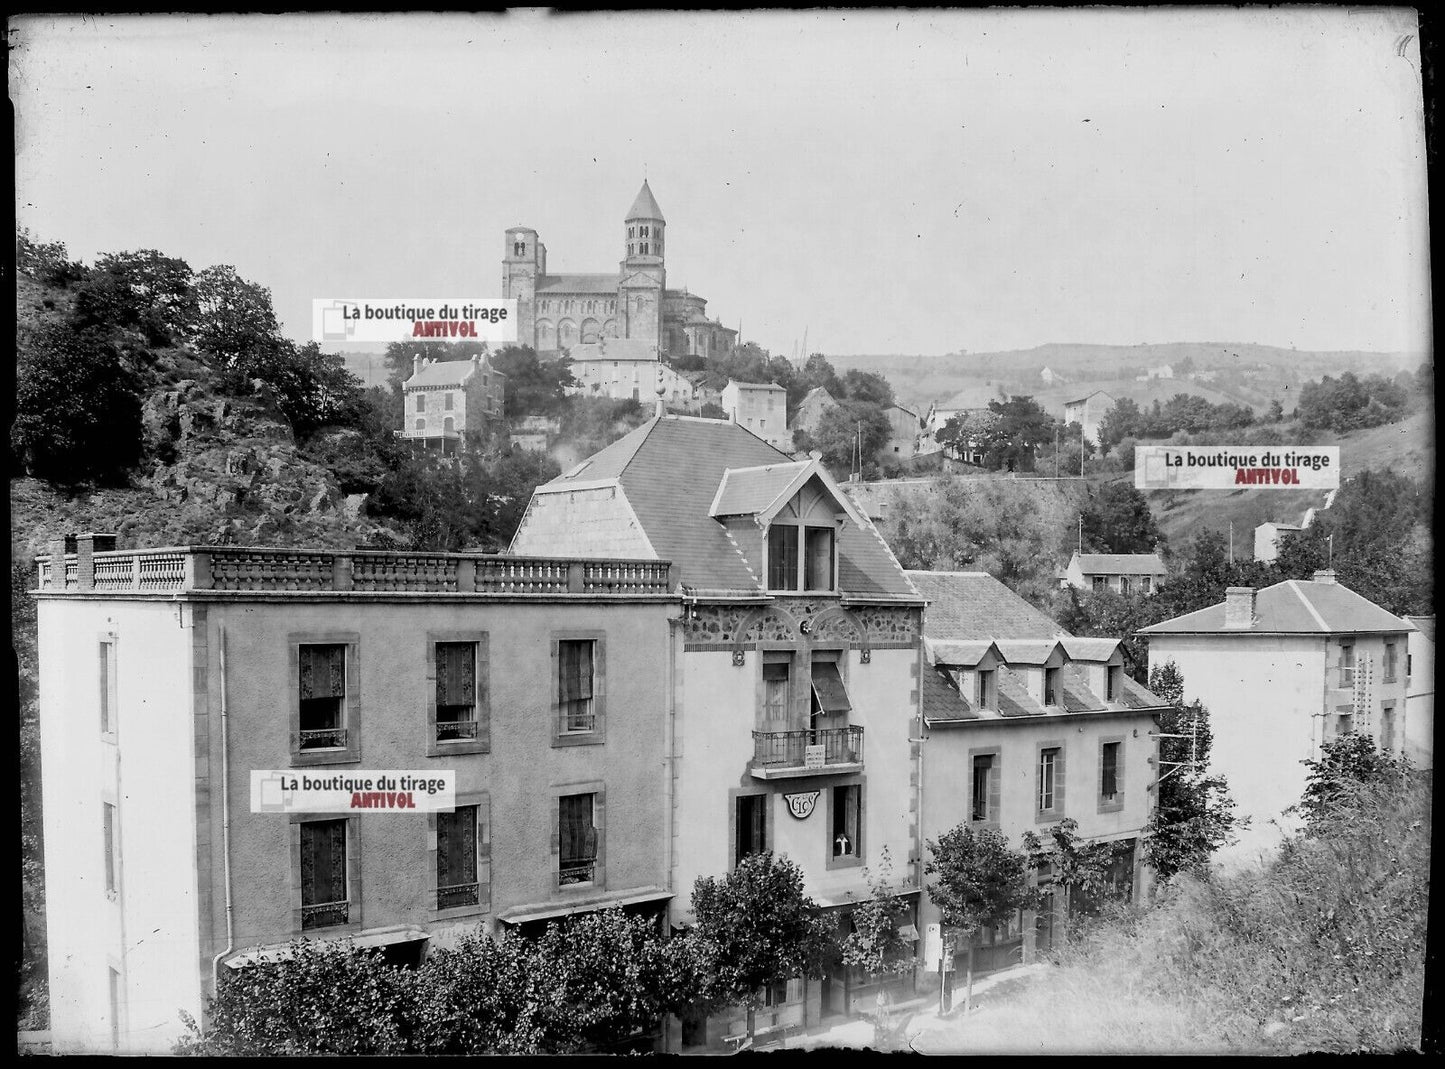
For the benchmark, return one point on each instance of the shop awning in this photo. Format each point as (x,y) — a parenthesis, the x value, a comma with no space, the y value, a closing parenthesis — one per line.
(552,910)
(380,937)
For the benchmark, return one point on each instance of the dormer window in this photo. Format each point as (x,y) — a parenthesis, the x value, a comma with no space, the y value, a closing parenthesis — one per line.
(1051,686)
(987,690)
(1114,683)
(800,557)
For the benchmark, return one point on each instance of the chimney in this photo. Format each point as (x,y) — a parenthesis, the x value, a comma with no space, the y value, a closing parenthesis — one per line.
(476,360)
(1239,607)
(1324,575)
(86,546)
(416,365)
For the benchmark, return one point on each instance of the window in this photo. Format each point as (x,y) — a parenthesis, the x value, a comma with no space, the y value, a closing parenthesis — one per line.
(574,685)
(776,688)
(324,896)
(987,690)
(456,691)
(1387,726)
(111,837)
(818,572)
(519,248)
(1114,683)
(1344,721)
(447,401)
(1146,584)
(751,828)
(1100,583)
(114,989)
(421,402)
(1109,772)
(421,424)
(1050,797)
(642,248)
(1390,662)
(762,424)
(1051,686)
(983,805)
(1347,663)
(1124,584)
(631,232)
(323,697)
(846,825)
(107,688)
(775,994)
(577,835)
(457,841)
(642,231)
(829,705)
(782,557)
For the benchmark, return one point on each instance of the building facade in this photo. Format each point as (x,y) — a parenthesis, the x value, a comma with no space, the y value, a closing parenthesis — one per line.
(1281,671)
(557,312)
(445,401)
(1267,536)
(1419,730)
(167,676)
(796,668)
(1089,412)
(811,408)
(1026,725)
(761,407)
(1121,573)
(903,433)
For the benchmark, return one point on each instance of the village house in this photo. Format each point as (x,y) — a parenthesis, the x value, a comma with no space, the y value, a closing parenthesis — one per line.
(622,369)
(761,407)
(1089,412)
(166,676)
(1267,537)
(1281,671)
(1025,725)
(811,408)
(448,401)
(903,433)
(795,661)
(1122,573)
(1419,729)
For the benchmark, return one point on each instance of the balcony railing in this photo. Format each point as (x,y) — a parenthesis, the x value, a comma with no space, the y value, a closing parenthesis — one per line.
(776,750)
(456,730)
(325,914)
(460,894)
(324,739)
(576,870)
(234,568)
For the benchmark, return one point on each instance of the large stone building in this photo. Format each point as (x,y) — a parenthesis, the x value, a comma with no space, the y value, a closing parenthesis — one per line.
(606,318)
(448,400)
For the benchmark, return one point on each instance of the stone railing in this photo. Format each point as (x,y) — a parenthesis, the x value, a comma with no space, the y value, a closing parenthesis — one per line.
(88,569)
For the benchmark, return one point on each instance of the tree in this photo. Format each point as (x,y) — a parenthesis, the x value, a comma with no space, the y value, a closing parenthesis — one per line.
(981,882)
(236,323)
(756,927)
(1013,529)
(1194,815)
(867,386)
(77,408)
(1121,421)
(1117,519)
(875,944)
(146,290)
(534,387)
(1077,867)
(1022,428)
(838,433)
(1347,765)
(46,262)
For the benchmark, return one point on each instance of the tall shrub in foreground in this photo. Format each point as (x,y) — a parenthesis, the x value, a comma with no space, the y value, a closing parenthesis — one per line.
(981,882)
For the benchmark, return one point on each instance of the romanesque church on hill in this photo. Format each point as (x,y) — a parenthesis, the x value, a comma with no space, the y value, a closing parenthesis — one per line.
(617,326)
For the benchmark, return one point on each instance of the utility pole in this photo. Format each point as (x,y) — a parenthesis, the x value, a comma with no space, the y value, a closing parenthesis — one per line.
(1231,541)
(1081,450)
(1081,534)
(1056,450)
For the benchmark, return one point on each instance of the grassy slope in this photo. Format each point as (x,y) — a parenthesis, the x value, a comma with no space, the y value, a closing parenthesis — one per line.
(1407,447)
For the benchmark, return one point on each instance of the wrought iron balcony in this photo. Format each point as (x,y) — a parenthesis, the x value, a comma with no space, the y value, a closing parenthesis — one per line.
(324,739)
(461,894)
(456,730)
(576,870)
(778,754)
(325,914)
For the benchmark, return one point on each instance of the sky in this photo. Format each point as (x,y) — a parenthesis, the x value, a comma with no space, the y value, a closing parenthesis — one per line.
(887,182)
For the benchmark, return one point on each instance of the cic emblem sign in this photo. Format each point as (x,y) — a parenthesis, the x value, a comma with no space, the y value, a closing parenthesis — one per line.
(801,805)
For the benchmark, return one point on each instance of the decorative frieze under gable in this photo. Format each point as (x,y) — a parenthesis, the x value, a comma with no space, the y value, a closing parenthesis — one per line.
(740,627)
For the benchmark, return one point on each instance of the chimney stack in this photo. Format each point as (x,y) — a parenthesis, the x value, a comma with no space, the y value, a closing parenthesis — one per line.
(1239,607)
(1324,575)
(416,365)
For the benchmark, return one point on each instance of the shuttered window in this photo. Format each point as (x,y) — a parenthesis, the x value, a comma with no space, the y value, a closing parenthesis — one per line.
(457,858)
(775,694)
(577,839)
(818,564)
(752,825)
(782,557)
(322,694)
(574,684)
(323,873)
(1109,771)
(1051,780)
(109,830)
(984,800)
(847,805)
(456,667)
(828,689)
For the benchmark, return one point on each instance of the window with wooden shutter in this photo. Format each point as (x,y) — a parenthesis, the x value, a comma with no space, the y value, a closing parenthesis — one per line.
(322,694)
(1048,779)
(1109,771)
(577,839)
(110,833)
(456,696)
(847,806)
(776,678)
(574,684)
(782,557)
(984,788)
(323,874)
(457,883)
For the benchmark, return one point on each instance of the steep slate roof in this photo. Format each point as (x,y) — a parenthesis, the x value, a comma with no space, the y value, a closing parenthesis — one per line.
(1096,393)
(756,385)
(1423,624)
(975,605)
(670,469)
(1295,606)
(1121,564)
(951,651)
(442,373)
(578,284)
(645,206)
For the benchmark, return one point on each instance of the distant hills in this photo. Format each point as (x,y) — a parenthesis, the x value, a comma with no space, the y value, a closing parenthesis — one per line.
(1244,373)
